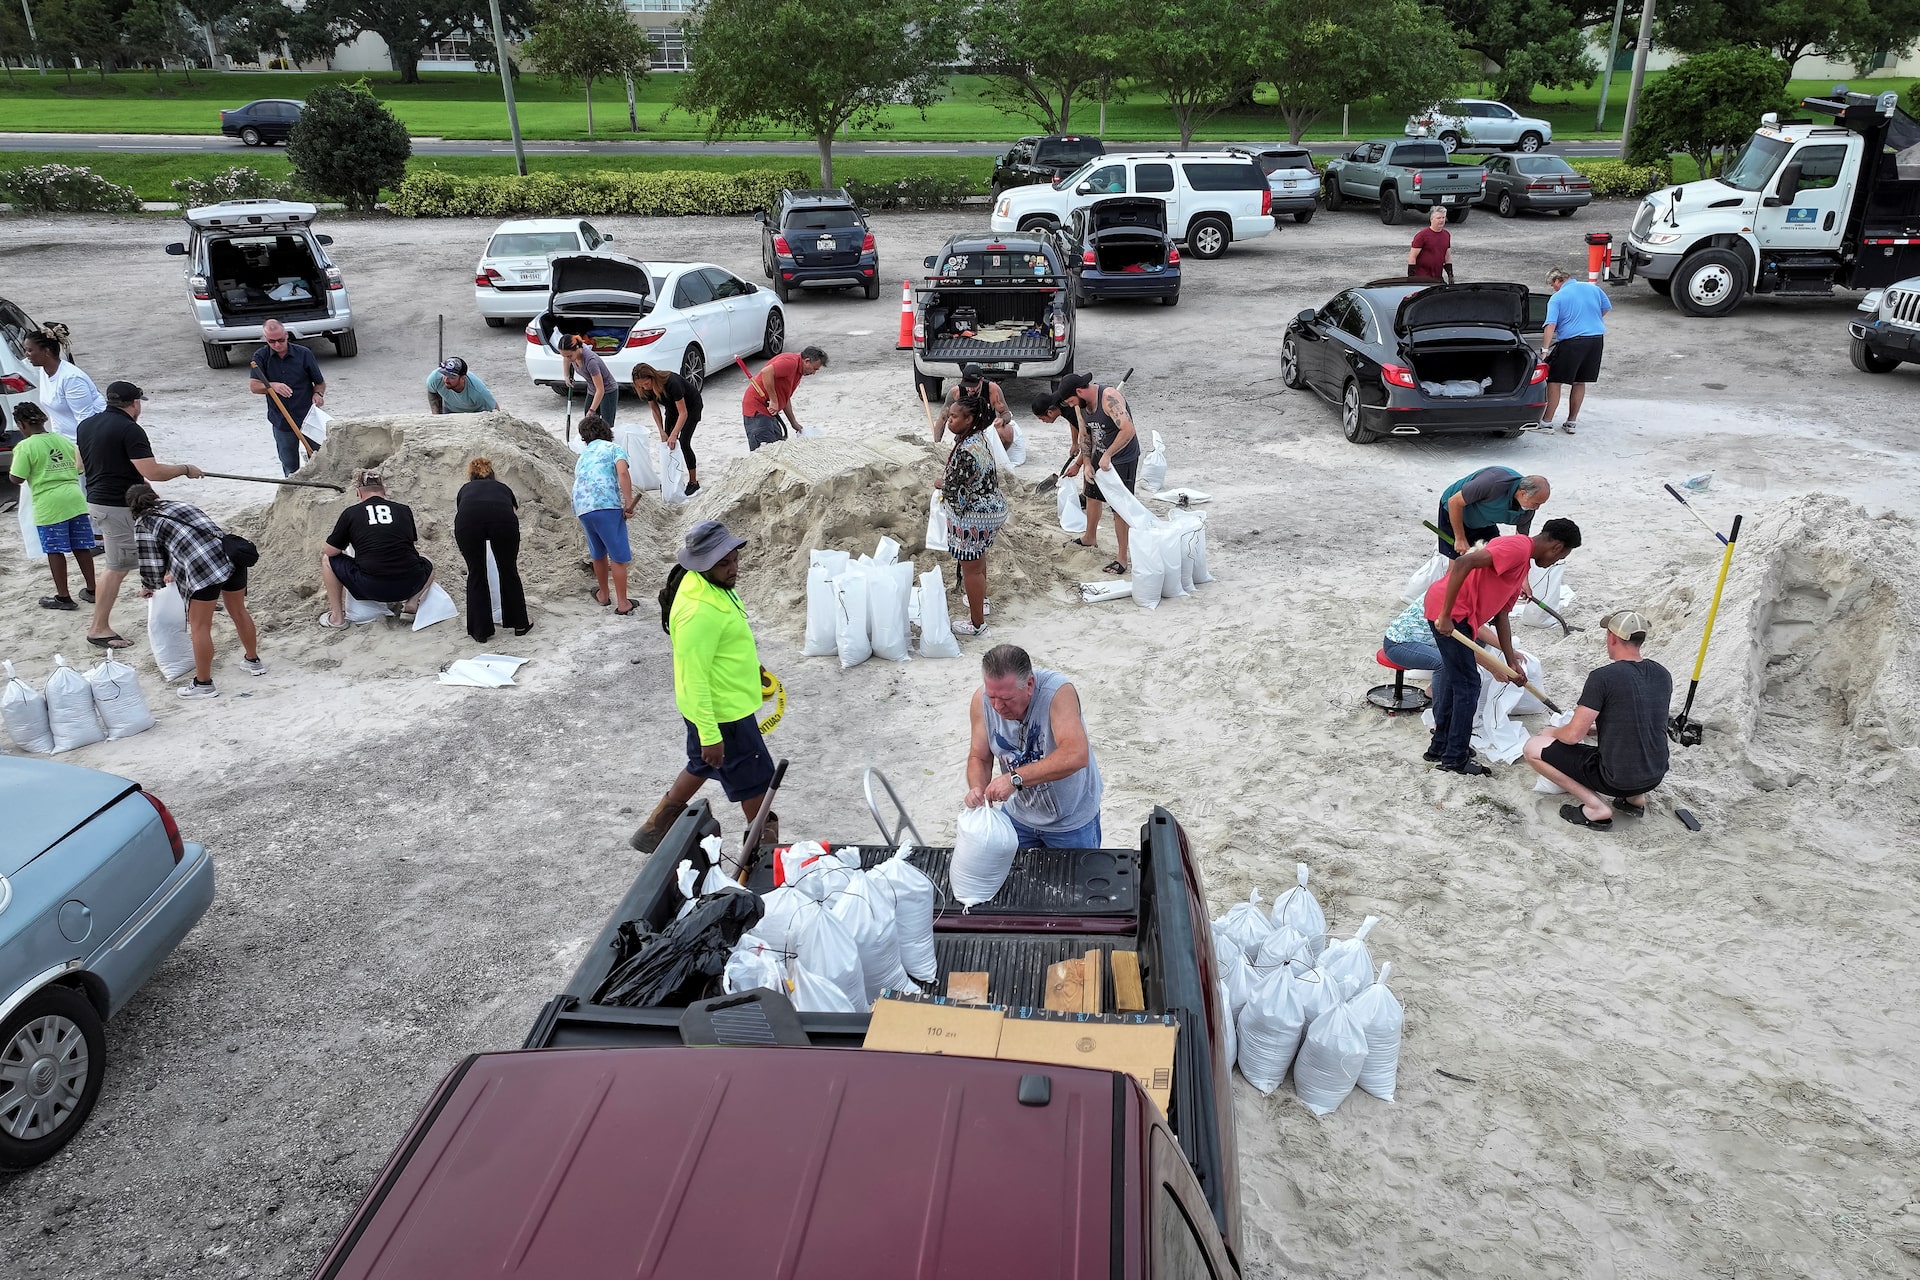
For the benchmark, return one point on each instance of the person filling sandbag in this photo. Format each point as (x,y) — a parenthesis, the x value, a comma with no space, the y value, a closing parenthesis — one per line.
(1625,704)
(1028,721)
(1473,508)
(1103,440)
(386,565)
(180,544)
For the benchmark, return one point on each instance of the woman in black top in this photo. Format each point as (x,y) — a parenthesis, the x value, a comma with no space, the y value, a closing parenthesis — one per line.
(684,407)
(487,514)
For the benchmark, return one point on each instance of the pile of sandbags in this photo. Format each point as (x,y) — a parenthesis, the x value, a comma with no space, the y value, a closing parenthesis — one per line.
(1305,1003)
(1169,552)
(870,608)
(76,710)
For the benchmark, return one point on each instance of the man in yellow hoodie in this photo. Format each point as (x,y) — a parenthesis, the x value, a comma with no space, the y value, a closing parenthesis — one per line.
(716,682)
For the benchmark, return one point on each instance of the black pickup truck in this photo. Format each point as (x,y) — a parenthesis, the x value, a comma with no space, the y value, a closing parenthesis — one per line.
(671,1142)
(1043,159)
(1005,302)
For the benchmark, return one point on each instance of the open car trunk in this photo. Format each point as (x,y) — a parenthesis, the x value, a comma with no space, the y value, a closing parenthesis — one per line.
(1465,370)
(600,297)
(989,324)
(255,277)
(1130,251)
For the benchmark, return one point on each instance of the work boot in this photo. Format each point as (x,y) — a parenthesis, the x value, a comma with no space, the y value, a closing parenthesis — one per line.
(649,836)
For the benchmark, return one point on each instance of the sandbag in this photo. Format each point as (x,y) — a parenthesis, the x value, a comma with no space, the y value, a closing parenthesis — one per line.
(1245,923)
(778,907)
(1073,513)
(672,470)
(753,965)
(1347,961)
(1153,467)
(1549,587)
(359,612)
(886,551)
(1283,1003)
(850,618)
(813,993)
(867,912)
(638,443)
(1330,1058)
(1201,574)
(435,606)
(24,713)
(1231,964)
(937,525)
(1300,910)
(1425,576)
(29,531)
(116,698)
(1149,569)
(984,843)
(1017,450)
(887,587)
(823,945)
(1229,1038)
(70,713)
(1117,496)
(823,609)
(1182,528)
(1382,1019)
(913,898)
(936,628)
(1282,943)
(999,451)
(1167,545)
(167,633)
(493,586)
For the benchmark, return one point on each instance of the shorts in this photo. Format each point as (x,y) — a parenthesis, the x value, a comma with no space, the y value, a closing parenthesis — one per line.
(1127,471)
(607,535)
(375,590)
(113,526)
(746,770)
(764,428)
(238,582)
(1575,360)
(68,535)
(1581,762)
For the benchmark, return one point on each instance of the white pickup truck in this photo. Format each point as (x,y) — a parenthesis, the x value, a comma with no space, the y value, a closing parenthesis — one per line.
(1213,197)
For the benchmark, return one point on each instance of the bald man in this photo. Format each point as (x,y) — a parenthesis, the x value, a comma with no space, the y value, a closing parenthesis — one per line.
(291,373)
(1474,507)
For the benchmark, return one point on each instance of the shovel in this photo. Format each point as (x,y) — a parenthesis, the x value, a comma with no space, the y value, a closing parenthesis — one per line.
(304,484)
(1498,666)
(279,404)
(750,843)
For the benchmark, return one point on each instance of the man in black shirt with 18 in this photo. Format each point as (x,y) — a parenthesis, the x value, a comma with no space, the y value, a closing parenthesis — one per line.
(1625,704)
(386,566)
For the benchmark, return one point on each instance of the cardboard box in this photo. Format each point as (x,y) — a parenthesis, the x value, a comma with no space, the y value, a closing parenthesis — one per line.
(934,1026)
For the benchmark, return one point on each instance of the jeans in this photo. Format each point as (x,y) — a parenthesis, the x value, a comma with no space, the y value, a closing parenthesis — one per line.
(473,531)
(1087,837)
(1414,655)
(763,428)
(1456,695)
(1475,533)
(288,446)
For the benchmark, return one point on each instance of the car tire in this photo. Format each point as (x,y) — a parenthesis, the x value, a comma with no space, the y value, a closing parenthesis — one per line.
(1662,287)
(1303,215)
(1389,207)
(1511,433)
(54,1043)
(1450,141)
(931,385)
(1867,361)
(773,339)
(693,366)
(1081,298)
(873,286)
(783,291)
(1352,425)
(1290,365)
(1335,200)
(1710,283)
(994,192)
(1169,299)
(1208,238)
(1567,213)
(1506,208)
(1039,222)
(250,136)
(346,345)
(1458,213)
(216,355)
(495,322)
(1531,142)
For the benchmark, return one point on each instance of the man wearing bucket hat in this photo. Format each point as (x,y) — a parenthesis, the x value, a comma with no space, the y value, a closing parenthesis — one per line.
(451,389)
(716,682)
(1625,704)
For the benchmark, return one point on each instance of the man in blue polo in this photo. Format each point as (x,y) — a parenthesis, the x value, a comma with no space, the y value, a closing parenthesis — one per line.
(289,376)
(1473,508)
(1576,330)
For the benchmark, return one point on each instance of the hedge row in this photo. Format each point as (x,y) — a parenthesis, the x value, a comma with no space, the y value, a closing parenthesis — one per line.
(1616,179)
(64,188)
(433,194)
(922,192)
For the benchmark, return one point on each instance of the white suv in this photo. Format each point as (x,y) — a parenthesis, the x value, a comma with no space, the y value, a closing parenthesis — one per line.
(1480,122)
(1213,198)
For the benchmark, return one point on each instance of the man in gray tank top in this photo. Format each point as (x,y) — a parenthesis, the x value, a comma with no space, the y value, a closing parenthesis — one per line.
(1029,723)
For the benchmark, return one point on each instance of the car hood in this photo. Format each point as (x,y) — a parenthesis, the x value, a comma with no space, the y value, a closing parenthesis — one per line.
(600,273)
(1132,213)
(45,801)
(1504,305)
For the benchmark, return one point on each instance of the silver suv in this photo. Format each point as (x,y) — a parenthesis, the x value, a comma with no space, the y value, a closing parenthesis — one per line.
(1887,333)
(251,261)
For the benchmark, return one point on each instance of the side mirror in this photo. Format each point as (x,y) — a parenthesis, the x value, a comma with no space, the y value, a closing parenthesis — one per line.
(1308,316)
(1084,189)
(747,286)
(930,260)
(1787,188)
(177,250)
(324,239)
(606,239)
(759,215)
(864,213)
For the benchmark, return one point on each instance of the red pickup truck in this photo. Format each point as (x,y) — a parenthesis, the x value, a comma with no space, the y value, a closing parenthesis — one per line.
(605,1147)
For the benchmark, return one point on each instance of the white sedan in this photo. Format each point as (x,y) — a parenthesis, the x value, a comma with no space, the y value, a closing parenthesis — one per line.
(510,280)
(702,318)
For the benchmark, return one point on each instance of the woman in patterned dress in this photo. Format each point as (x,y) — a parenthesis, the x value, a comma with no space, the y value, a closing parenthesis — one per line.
(975,507)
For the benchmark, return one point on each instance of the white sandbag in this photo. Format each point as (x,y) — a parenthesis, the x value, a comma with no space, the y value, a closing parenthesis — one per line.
(116,698)
(1231,964)
(1185,529)
(1073,515)
(1282,943)
(493,587)
(1383,1020)
(1230,1038)
(167,633)
(1153,466)
(672,470)
(886,551)
(1330,1059)
(694,886)
(887,588)
(984,843)
(1298,909)
(1495,733)
(1549,587)
(314,426)
(823,945)
(1425,576)
(1283,1003)
(29,531)
(1245,923)
(1149,569)
(813,993)
(435,606)
(1124,504)
(24,713)
(1111,589)
(70,713)
(1168,543)
(778,909)
(750,966)
(913,898)
(936,627)
(1524,703)
(850,618)
(1017,450)
(815,873)
(937,524)
(997,449)
(1201,574)
(359,612)
(638,443)
(1347,961)
(823,611)
(866,910)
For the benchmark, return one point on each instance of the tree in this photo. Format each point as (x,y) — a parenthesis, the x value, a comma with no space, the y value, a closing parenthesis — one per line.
(579,40)
(1039,55)
(14,42)
(1320,53)
(207,15)
(155,30)
(85,29)
(1849,30)
(408,26)
(1707,106)
(817,67)
(1192,53)
(1532,42)
(268,26)
(347,145)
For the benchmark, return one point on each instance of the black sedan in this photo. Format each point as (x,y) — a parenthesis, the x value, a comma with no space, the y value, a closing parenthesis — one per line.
(262,123)
(1419,358)
(1541,183)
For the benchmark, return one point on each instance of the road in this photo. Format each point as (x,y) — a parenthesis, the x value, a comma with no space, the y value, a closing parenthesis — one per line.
(485,147)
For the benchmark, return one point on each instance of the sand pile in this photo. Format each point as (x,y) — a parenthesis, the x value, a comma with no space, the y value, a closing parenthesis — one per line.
(1814,670)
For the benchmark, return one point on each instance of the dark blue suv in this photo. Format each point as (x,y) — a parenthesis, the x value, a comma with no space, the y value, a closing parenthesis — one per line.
(818,240)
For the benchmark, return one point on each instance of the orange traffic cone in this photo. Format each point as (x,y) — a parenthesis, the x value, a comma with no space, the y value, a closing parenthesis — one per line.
(906,317)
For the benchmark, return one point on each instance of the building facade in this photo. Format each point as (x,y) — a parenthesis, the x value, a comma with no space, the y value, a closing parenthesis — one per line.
(660,19)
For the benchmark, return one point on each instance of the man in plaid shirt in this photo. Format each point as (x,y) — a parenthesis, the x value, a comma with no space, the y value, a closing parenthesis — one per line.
(180,543)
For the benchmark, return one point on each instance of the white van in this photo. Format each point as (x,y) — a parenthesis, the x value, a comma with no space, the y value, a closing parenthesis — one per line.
(1213,197)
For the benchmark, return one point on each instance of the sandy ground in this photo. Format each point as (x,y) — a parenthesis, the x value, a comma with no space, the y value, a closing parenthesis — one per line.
(1647,1053)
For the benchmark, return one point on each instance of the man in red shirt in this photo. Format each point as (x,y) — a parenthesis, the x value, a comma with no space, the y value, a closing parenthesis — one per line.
(1480,587)
(1432,251)
(770,394)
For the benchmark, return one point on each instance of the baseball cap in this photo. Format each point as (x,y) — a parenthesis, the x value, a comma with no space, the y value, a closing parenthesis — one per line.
(455,366)
(708,543)
(1071,383)
(124,393)
(971,373)
(1626,624)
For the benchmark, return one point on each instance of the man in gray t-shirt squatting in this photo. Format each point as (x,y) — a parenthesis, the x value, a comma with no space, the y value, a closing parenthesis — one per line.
(1625,703)
(1028,722)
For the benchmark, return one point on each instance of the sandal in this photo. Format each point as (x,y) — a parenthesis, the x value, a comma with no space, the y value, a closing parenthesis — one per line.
(1578,817)
(621,613)
(1116,569)
(1631,810)
(110,642)
(341,625)
(595,593)
(1076,545)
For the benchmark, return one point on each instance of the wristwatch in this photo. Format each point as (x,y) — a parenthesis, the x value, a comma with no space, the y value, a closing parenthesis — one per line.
(1014,778)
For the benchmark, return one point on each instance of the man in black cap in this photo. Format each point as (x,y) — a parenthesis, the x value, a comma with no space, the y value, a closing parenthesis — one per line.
(115,454)
(289,376)
(717,683)
(973,382)
(1103,440)
(451,389)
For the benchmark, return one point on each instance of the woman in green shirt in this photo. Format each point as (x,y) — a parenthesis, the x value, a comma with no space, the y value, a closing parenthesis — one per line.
(49,465)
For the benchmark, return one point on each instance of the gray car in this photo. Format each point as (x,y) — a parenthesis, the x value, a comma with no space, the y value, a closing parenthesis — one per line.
(251,261)
(96,889)
(1544,184)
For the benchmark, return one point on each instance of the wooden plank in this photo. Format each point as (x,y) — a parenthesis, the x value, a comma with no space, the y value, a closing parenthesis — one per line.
(1065,986)
(1090,992)
(1127,994)
(967,987)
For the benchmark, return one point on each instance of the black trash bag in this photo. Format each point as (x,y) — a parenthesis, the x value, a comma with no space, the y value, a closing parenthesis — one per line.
(683,962)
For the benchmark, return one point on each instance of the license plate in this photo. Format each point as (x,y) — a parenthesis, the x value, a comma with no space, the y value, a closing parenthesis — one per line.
(827,245)
(1451,199)
(528,275)
(1288,184)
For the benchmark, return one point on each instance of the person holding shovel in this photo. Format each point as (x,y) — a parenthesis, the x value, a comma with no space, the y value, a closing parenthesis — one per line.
(289,376)
(577,357)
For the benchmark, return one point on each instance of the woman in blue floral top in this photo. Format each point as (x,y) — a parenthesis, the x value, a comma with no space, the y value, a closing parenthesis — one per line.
(975,507)
(603,498)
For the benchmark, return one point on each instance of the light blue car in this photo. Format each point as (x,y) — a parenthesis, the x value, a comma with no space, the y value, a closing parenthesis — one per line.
(96,889)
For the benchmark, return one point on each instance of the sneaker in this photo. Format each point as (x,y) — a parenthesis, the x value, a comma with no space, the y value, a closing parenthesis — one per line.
(197,690)
(253,666)
(693,488)
(86,594)
(968,629)
(1431,757)
(1569,426)
(58,602)
(1471,769)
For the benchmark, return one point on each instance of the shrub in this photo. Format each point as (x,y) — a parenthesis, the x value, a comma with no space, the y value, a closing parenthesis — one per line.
(919,192)
(1707,106)
(348,146)
(432,193)
(64,188)
(238,183)
(1616,179)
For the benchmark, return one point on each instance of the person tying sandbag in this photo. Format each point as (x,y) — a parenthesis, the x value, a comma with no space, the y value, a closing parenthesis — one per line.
(1029,722)
(1625,705)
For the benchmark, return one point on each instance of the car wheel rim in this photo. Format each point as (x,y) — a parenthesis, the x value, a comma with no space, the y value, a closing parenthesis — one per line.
(1506,206)
(693,368)
(1709,285)
(1350,411)
(1289,364)
(1449,142)
(1209,243)
(43,1075)
(1530,145)
(776,333)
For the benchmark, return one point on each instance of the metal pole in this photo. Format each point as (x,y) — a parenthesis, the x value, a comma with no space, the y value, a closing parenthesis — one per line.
(1640,50)
(1606,79)
(33,38)
(1345,132)
(506,85)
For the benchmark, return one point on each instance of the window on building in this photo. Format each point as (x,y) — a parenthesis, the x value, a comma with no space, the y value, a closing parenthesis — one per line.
(452,49)
(669,49)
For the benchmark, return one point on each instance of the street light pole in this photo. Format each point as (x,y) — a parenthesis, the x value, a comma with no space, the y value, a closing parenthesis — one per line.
(506,84)
(1606,78)
(33,38)
(1640,50)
